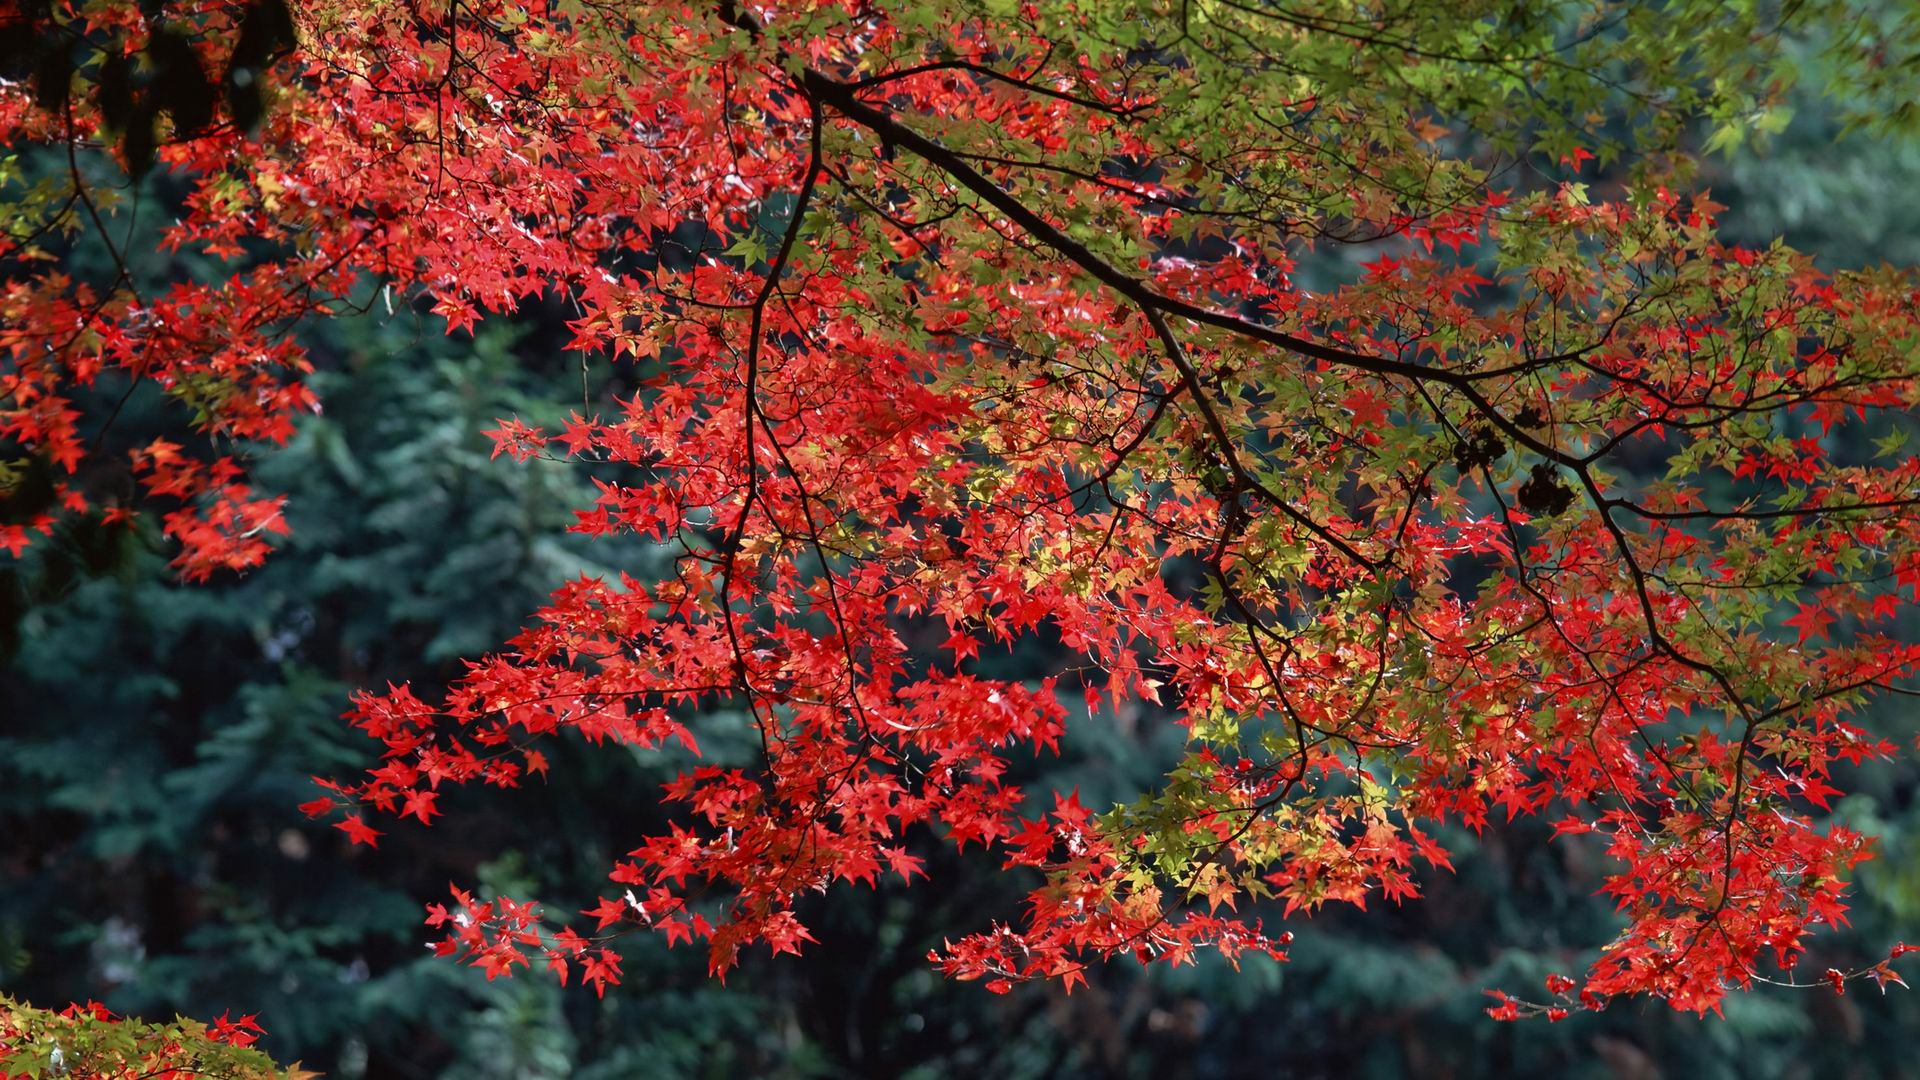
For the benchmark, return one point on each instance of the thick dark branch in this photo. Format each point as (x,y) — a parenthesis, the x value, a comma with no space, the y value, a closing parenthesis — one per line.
(1761,515)
(845,100)
(1022,83)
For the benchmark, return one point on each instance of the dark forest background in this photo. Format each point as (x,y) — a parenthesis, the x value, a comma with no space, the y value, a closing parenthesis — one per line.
(155,739)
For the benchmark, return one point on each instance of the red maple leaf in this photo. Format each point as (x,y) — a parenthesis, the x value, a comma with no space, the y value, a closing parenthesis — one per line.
(359,831)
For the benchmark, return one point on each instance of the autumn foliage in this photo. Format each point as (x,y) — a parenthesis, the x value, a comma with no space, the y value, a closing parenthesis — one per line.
(90,1042)
(955,326)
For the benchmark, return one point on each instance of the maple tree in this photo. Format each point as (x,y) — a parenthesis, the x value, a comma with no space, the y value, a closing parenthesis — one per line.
(955,325)
(89,1041)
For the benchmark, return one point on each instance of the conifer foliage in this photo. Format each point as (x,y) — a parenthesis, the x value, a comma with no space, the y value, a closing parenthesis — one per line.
(955,324)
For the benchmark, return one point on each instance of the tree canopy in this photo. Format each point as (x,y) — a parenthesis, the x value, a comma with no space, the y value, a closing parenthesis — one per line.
(1272,367)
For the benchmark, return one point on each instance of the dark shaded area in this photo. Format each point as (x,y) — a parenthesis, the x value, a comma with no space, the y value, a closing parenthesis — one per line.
(169,74)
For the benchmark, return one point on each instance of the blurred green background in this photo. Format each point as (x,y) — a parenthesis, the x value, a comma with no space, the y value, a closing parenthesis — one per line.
(154,740)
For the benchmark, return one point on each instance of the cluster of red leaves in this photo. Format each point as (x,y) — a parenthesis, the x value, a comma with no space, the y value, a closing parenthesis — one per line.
(931,404)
